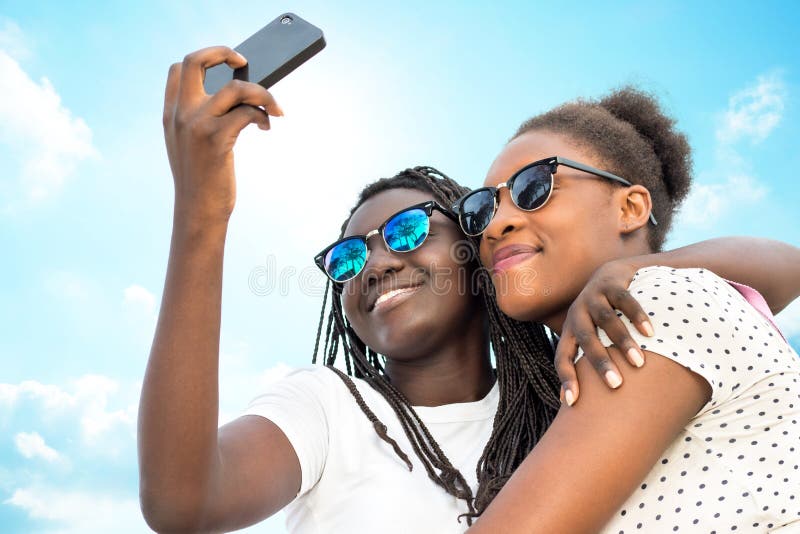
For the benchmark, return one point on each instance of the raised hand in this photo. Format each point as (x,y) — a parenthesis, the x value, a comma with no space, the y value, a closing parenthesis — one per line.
(201,129)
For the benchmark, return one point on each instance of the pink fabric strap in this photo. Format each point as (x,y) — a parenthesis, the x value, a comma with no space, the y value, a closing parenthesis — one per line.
(756,301)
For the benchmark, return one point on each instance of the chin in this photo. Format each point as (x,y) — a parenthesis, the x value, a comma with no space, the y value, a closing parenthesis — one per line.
(519,307)
(533,306)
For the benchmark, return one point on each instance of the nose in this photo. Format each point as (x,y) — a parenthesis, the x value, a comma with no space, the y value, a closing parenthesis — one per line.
(507,218)
(380,262)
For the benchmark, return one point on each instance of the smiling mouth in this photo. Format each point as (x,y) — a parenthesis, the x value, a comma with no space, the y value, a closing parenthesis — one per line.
(514,259)
(394,297)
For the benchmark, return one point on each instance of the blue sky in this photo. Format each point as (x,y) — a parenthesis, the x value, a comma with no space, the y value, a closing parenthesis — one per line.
(85,189)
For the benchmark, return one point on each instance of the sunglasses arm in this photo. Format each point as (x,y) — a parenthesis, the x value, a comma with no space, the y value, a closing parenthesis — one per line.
(597,172)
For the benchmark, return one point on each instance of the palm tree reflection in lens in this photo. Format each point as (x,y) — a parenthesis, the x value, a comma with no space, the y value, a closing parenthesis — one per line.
(410,227)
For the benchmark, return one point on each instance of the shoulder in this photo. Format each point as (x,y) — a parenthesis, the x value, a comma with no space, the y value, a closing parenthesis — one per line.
(676,284)
(320,375)
(688,296)
(668,278)
(311,383)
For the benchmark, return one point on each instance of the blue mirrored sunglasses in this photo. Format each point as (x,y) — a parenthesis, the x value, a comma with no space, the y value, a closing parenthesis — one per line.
(404,231)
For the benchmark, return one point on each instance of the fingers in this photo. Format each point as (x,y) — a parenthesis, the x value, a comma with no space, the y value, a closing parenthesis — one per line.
(238,92)
(598,356)
(171,91)
(235,120)
(565,367)
(628,305)
(585,334)
(603,315)
(194,68)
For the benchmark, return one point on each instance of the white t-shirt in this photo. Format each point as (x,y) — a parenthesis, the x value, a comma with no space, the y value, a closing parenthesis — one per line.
(734,467)
(352,480)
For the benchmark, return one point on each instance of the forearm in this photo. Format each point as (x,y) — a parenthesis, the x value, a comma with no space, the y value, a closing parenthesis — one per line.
(769,266)
(178,410)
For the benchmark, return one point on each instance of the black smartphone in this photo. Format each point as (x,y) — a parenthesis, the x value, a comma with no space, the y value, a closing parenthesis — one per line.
(273,52)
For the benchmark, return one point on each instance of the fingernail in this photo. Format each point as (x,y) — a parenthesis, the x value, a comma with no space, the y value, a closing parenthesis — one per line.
(278,110)
(648,328)
(241,56)
(613,379)
(570,397)
(636,356)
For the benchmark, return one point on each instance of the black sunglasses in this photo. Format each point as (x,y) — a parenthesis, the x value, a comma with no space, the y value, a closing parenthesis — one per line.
(404,231)
(530,189)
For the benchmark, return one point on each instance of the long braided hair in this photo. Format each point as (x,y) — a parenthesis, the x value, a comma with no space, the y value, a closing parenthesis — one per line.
(526,378)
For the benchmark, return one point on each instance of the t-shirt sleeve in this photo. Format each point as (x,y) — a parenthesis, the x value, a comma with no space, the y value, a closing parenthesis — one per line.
(299,405)
(693,312)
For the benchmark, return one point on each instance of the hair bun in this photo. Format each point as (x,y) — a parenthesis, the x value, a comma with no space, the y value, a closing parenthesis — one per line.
(642,111)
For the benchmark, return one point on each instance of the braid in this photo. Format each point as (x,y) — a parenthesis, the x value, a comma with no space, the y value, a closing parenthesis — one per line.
(526,377)
(321,319)
(528,399)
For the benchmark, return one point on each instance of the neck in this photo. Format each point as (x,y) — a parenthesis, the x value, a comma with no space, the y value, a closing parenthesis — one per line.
(627,249)
(556,321)
(460,371)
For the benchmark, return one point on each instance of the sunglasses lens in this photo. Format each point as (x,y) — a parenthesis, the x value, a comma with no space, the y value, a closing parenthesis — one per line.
(477,211)
(532,187)
(407,230)
(345,260)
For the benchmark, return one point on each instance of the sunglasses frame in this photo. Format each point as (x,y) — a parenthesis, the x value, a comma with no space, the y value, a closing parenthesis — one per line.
(553,162)
(427,207)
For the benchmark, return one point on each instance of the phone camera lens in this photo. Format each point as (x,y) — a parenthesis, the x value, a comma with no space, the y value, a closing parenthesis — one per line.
(286,20)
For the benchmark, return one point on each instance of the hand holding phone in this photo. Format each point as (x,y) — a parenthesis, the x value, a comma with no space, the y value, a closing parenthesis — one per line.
(273,52)
(200,131)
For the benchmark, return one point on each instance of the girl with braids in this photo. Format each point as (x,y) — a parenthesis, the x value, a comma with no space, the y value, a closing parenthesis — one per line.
(418,405)
(344,444)
(704,436)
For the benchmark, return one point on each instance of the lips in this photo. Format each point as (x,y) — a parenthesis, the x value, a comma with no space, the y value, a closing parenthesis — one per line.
(391,294)
(506,257)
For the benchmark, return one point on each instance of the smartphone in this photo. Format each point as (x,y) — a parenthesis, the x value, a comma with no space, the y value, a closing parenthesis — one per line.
(273,52)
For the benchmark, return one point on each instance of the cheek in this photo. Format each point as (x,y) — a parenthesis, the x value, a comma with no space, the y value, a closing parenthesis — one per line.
(484,253)
(350,299)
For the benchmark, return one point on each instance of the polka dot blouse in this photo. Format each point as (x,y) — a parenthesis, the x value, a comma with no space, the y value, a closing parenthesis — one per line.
(734,468)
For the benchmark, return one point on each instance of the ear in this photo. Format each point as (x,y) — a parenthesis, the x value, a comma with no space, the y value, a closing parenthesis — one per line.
(635,206)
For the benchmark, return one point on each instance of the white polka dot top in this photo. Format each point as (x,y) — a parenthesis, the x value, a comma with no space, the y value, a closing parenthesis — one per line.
(734,468)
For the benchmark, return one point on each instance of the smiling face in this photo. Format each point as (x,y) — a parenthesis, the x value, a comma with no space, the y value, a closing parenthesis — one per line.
(405,305)
(540,260)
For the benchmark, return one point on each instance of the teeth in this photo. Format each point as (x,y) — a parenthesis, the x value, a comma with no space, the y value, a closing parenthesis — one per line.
(386,296)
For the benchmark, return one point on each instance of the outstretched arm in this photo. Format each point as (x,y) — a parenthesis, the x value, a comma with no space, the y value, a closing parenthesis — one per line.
(769,266)
(194,477)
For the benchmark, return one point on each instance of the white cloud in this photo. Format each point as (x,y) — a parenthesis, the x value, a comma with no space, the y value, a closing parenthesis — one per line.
(32,445)
(97,421)
(789,319)
(42,135)
(12,40)
(754,111)
(105,430)
(51,397)
(80,512)
(709,202)
(139,297)
(752,114)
